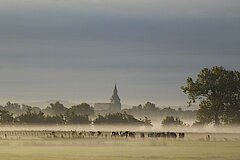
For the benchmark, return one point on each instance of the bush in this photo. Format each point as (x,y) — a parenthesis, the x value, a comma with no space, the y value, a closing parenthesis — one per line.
(171,121)
(119,118)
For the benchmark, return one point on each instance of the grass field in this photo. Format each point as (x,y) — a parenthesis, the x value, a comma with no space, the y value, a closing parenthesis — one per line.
(194,146)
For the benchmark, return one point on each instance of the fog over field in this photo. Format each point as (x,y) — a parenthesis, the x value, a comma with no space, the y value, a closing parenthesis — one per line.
(109,128)
(119,79)
(193,146)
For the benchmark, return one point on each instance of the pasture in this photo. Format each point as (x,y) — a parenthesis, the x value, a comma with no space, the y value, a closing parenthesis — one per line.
(41,145)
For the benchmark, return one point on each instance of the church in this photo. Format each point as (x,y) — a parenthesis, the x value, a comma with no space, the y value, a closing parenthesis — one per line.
(112,107)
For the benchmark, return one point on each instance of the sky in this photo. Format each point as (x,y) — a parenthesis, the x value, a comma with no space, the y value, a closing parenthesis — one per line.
(76,50)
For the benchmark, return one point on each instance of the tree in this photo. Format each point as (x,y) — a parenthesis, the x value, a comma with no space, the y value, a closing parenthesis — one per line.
(82,109)
(73,118)
(147,121)
(30,117)
(120,118)
(1,107)
(171,121)
(149,107)
(25,108)
(5,117)
(13,108)
(55,108)
(218,90)
(57,119)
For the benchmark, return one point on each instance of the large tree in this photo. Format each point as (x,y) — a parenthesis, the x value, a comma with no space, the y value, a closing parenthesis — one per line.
(218,90)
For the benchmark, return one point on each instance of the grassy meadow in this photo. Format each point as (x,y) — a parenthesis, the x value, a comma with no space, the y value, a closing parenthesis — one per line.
(193,146)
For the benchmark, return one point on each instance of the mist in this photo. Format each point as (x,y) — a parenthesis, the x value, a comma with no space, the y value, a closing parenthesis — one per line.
(157,127)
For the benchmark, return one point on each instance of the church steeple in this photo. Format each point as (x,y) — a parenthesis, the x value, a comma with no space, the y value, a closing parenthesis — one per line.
(115,100)
(115,89)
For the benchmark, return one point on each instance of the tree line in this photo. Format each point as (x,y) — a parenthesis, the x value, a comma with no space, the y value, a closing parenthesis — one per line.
(40,118)
(141,111)
(69,118)
(56,113)
(121,118)
(53,109)
(150,110)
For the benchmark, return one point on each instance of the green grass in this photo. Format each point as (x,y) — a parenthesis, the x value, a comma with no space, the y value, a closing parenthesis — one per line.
(111,149)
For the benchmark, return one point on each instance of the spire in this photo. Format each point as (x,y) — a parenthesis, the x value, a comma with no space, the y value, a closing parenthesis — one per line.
(115,100)
(115,89)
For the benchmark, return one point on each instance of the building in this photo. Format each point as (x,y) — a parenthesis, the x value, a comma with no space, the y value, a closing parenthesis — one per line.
(112,107)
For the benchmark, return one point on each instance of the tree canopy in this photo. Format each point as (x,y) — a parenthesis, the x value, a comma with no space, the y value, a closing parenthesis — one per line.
(82,109)
(5,117)
(55,108)
(218,92)
(120,118)
(171,121)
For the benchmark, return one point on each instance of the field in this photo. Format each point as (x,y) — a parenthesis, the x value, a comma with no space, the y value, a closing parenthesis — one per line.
(40,146)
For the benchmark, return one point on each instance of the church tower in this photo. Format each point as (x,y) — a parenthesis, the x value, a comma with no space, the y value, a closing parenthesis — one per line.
(115,101)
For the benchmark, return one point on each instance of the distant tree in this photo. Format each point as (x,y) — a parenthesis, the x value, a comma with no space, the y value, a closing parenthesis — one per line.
(82,109)
(147,121)
(168,111)
(2,108)
(118,118)
(218,90)
(13,108)
(55,109)
(171,121)
(36,109)
(73,118)
(180,109)
(30,118)
(139,107)
(5,117)
(135,110)
(100,119)
(25,108)
(149,107)
(48,111)
(57,119)
(153,112)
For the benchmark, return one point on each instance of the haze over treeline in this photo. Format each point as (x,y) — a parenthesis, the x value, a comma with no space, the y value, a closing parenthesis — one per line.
(57,113)
(217,90)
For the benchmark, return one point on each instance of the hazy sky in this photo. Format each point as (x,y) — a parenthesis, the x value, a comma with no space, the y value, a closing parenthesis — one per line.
(77,49)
